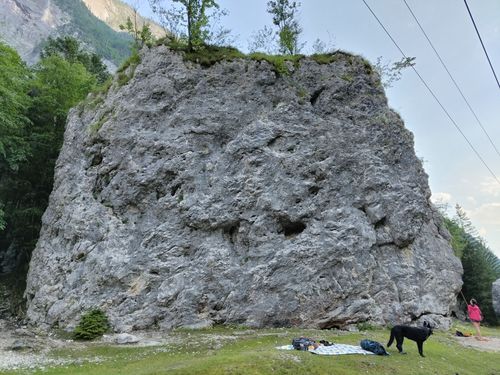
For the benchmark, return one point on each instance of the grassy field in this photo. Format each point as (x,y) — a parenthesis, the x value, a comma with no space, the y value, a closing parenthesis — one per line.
(240,351)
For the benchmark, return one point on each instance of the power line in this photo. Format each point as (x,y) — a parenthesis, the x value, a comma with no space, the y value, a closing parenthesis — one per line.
(451,77)
(482,44)
(432,93)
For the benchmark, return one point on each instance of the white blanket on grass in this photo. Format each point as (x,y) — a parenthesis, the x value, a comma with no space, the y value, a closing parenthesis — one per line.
(335,349)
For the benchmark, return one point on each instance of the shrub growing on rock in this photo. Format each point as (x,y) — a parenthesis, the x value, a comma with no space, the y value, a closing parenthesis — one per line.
(93,324)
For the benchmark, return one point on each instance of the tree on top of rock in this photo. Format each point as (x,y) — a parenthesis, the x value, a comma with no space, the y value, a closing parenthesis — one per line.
(284,14)
(186,18)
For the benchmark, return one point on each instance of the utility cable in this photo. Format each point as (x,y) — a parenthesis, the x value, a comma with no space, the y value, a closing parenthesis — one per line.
(432,93)
(451,77)
(482,44)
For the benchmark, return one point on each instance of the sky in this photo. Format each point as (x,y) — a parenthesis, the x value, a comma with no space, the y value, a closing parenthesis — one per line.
(456,174)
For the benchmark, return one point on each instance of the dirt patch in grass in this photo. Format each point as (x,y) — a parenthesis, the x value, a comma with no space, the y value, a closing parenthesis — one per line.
(490,343)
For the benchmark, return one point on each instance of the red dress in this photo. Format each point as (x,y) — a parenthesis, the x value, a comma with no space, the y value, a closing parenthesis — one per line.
(474,313)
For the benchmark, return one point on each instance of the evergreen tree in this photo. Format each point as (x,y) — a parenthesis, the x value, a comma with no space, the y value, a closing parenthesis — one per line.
(481,266)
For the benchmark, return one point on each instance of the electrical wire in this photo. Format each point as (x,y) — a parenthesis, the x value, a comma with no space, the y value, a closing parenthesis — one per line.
(451,77)
(482,44)
(433,95)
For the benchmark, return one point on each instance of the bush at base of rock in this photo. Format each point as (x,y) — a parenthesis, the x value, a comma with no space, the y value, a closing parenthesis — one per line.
(93,324)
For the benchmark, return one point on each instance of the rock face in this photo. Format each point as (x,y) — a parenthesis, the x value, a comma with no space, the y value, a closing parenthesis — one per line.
(25,24)
(115,13)
(495,293)
(231,194)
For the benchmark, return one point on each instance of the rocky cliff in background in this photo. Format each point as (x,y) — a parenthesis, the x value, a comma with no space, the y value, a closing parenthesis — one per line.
(232,194)
(26,24)
(116,12)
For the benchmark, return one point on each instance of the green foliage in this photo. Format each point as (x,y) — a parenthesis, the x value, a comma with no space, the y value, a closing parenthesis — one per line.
(279,62)
(108,43)
(481,266)
(59,85)
(347,77)
(190,19)
(14,122)
(141,36)
(14,104)
(96,126)
(127,70)
(391,73)
(54,86)
(133,60)
(325,58)
(209,55)
(70,50)
(93,324)
(284,14)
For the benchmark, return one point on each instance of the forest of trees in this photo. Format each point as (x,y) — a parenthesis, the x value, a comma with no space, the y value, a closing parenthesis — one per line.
(34,103)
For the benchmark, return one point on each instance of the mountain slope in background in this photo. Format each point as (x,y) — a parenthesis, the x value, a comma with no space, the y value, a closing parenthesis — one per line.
(26,25)
(115,13)
(113,46)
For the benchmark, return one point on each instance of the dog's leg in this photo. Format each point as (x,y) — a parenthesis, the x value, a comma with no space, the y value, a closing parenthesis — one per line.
(420,345)
(399,344)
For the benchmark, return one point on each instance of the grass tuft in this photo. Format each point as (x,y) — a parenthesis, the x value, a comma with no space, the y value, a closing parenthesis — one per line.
(279,62)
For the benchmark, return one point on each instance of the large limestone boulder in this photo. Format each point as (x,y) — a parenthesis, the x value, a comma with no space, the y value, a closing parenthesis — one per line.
(495,293)
(232,194)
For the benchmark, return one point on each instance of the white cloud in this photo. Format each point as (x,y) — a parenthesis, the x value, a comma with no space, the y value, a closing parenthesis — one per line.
(486,218)
(472,200)
(490,186)
(487,213)
(441,198)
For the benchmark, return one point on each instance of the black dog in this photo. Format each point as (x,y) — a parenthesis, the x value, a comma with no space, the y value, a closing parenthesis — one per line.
(413,333)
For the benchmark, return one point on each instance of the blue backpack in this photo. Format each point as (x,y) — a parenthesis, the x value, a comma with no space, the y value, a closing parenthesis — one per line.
(302,343)
(373,346)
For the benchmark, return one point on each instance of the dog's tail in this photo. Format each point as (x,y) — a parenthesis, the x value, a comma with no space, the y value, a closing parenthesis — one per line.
(391,339)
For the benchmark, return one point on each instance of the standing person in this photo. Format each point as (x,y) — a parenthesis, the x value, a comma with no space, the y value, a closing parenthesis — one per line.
(475,317)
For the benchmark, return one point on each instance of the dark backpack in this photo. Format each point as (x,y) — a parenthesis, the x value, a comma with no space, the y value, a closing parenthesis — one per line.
(302,343)
(373,346)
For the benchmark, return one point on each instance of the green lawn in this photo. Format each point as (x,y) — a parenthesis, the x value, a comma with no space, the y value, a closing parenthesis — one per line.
(239,351)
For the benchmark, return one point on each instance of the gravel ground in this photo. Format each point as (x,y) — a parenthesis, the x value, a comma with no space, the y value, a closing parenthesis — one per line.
(492,343)
(23,348)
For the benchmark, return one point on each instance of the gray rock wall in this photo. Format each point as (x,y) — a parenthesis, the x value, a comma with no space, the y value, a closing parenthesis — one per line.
(231,194)
(495,293)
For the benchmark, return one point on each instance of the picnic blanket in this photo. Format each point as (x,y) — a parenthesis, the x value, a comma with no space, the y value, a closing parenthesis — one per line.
(338,349)
(335,349)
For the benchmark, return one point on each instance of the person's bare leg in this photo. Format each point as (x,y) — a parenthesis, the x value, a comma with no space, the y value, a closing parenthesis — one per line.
(478,330)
